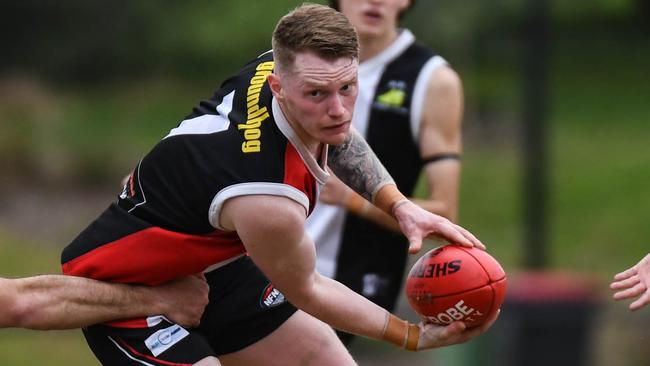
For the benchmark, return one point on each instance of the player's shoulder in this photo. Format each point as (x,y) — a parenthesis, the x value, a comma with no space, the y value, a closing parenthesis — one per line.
(260,64)
(287,214)
(444,79)
(442,75)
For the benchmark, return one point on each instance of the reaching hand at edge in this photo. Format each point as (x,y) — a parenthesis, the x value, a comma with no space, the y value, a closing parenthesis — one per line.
(634,283)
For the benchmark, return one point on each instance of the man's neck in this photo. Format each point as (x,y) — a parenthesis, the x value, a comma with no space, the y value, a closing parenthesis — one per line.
(314,147)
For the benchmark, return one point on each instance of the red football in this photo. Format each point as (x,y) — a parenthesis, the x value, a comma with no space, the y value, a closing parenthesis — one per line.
(451,283)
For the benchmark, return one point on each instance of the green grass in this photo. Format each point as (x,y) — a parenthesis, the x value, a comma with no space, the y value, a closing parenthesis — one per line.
(24,347)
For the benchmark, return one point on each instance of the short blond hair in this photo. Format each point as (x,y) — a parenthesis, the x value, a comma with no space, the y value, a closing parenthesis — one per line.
(314,28)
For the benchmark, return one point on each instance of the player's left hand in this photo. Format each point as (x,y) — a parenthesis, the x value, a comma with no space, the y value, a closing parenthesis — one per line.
(417,224)
(634,282)
(434,336)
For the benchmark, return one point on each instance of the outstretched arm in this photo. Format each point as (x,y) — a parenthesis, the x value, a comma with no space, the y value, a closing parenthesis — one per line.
(64,302)
(634,283)
(285,253)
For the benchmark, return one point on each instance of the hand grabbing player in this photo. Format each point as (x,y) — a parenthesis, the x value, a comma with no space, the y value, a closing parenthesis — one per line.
(183,300)
(634,282)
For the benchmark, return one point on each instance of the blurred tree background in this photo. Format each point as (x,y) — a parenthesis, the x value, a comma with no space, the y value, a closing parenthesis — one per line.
(86,88)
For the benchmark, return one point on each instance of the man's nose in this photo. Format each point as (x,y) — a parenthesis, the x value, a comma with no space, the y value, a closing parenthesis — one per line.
(335,108)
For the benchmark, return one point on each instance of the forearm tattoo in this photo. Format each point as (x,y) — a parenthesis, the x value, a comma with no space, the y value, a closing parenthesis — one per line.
(356,164)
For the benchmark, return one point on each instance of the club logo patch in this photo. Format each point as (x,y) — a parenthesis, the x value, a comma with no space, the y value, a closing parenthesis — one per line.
(271,297)
(392,97)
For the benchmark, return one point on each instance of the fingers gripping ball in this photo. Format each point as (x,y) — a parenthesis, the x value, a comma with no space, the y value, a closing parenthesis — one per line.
(452,283)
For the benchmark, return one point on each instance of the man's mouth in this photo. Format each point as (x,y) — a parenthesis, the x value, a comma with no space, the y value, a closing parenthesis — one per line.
(340,127)
(372,15)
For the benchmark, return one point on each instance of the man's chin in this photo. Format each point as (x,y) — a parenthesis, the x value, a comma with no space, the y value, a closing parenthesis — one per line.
(337,139)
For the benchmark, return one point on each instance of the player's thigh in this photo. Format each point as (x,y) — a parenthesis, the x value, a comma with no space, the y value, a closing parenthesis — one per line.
(301,340)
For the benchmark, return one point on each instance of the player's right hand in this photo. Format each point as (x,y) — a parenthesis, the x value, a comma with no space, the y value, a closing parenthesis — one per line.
(434,336)
(184,299)
(417,224)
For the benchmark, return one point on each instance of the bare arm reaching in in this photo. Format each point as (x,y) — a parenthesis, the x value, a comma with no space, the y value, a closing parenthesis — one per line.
(64,302)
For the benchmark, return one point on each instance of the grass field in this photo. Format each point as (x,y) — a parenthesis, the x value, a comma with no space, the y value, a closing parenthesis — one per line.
(25,347)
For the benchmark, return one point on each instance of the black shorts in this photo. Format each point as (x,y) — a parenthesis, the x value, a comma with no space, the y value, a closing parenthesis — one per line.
(244,307)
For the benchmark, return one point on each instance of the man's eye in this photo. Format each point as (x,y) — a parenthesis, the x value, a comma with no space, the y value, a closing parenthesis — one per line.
(315,93)
(346,87)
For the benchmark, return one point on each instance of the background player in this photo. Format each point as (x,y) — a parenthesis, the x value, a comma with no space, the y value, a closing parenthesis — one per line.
(65,302)
(409,109)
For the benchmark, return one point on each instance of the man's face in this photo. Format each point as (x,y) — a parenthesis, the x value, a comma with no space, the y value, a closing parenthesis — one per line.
(373,18)
(317,97)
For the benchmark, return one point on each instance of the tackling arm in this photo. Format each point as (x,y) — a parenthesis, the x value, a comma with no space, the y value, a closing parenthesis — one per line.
(65,302)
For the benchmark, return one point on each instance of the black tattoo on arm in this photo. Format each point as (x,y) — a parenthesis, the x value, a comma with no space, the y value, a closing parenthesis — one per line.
(356,164)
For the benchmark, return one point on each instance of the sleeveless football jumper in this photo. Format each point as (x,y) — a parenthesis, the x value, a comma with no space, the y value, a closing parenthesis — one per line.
(165,222)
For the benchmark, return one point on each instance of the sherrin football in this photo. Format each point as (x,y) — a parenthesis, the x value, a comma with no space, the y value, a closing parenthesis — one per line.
(452,283)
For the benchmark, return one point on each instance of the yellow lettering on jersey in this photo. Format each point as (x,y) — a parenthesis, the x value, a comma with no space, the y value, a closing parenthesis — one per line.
(254,114)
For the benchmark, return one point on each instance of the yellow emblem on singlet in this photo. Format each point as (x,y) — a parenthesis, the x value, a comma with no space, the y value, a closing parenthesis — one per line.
(392,98)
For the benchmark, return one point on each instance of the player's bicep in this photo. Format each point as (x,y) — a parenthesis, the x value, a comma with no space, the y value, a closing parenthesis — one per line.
(272,230)
(440,130)
(440,141)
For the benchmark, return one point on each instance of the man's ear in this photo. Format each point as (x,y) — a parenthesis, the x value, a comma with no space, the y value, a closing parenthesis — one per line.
(274,84)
